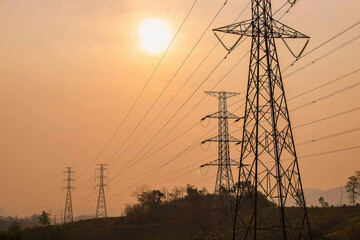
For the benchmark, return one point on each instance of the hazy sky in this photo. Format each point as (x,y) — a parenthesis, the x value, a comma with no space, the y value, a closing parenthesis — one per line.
(71,70)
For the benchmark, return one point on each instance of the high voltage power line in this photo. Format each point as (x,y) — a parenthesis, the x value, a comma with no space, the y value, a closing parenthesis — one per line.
(322,44)
(169,82)
(327,96)
(346,75)
(327,54)
(190,147)
(179,89)
(143,89)
(177,110)
(324,55)
(328,117)
(330,53)
(320,120)
(183,85)
(300,157)
(86,201)
(177,137)
(330,136)
(325,84)
(185,60)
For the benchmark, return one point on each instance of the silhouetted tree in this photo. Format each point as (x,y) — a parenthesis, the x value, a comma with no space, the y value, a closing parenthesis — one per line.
(323,203)
(177,193)
(353,188)
(44,218)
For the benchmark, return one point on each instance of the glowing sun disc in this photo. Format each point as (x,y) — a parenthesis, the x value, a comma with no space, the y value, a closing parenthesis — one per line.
(155,35)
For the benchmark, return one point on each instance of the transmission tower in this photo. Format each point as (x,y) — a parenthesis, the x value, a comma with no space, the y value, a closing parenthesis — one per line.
(101,204)
(224,185)
(68,213)
(269,176)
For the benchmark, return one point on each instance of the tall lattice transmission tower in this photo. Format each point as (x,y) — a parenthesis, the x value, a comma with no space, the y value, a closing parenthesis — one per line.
(224,186)
(269,175)
(101,203)
(68,213)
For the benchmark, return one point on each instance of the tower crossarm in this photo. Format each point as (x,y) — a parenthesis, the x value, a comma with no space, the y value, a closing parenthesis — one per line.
(279,30)
(223,115)
(245,28)
(216,163)
(241,28)
(218,94)
(218,139)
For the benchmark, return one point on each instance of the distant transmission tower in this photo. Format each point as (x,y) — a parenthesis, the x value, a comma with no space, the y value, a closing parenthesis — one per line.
(101,204)
(269,175)
(224,186)
(68,213)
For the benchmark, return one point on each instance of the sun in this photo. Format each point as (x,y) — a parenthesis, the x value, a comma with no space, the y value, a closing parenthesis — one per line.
(155,35)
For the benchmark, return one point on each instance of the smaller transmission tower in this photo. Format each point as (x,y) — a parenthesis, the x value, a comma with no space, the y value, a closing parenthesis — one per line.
(68,213)
(224,186)
(101,204)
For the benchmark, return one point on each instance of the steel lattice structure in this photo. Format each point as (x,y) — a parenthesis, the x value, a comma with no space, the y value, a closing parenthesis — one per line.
(269,175)
(101,203)
(68,213)
(224,186)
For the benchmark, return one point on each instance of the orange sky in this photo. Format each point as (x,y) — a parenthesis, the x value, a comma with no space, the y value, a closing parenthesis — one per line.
(70,71)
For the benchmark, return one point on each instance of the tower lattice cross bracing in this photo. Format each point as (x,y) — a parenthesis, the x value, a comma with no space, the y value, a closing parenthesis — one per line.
(224,196)
(68,213)
(269,177)
(101,210)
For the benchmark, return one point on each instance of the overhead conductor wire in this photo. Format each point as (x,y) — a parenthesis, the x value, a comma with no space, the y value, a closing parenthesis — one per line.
(143,89)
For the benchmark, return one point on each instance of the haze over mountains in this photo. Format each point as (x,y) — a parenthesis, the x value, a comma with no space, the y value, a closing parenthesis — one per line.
(334,196)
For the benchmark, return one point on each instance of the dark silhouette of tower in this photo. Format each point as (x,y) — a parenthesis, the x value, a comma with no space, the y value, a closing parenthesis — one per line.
(101,204)
(68,213)
(224,186)
(269,176)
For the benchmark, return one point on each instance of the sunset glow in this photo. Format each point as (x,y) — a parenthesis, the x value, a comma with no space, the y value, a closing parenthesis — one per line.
(155,36)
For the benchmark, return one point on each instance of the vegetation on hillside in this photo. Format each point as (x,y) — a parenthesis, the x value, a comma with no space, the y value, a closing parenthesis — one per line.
(180,214)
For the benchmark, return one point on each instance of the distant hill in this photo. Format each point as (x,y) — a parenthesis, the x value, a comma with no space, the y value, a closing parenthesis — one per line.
(332,223)
(3,213)
(334,196)
(188,217)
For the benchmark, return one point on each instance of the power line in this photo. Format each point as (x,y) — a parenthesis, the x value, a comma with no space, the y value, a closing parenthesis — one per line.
(327,96)
(194,143)
(200,101)
(322,44)
(183,85)
(183,104)
(159,168)
(329,152)
(324,98)
(168,132)
(318,139)
(325,84)
(324,55)
(187,150)
(304,156)
(303,143)
(319,119)
(143,89)
(175,138)
(330,136)
(170,81)
(174,114)
(328,117)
